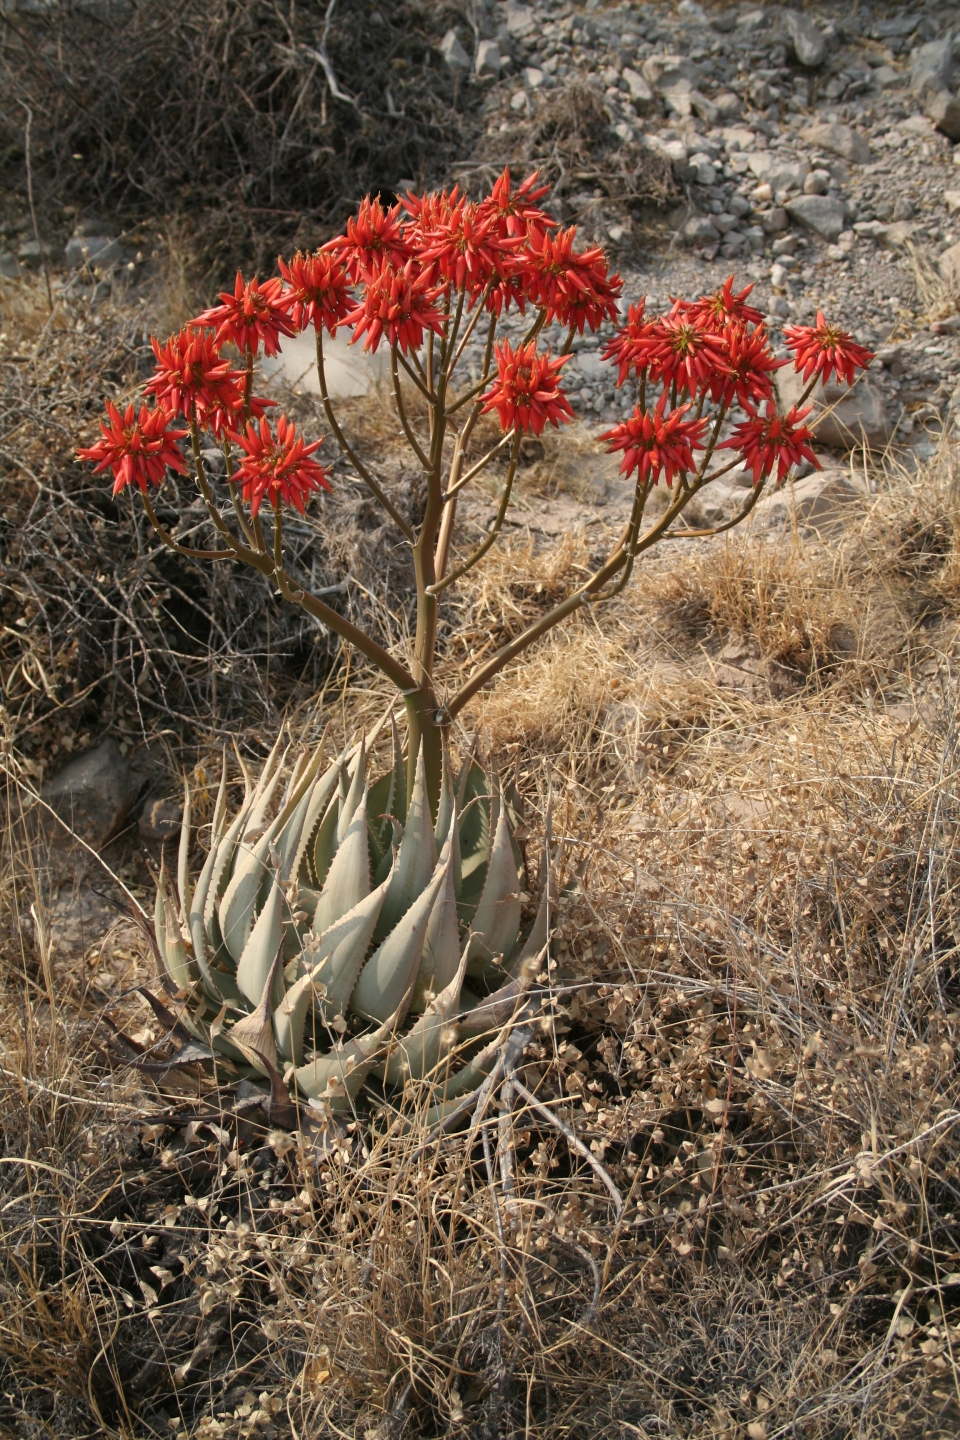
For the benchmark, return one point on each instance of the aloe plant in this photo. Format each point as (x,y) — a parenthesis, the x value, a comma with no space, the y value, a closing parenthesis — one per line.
(346,933)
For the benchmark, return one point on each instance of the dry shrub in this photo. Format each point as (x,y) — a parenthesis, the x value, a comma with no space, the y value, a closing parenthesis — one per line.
(224,114)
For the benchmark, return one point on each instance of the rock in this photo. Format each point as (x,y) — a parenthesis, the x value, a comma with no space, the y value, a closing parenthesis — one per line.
(519,102)
(870,229)
(787,245)
(842,417)
(9,265)
(952,201)
(487,61)
(931,66)
(664,71)
(886,76)
(819,213)
(895,236)
(840,140)
(94,793)
(521,19)
(30,253)
(944,110)
(698,230)
(678,98)
(729,106)
(92,250)
(774,220)
(821,502)
(454,55)
(949,265)
(760,94)
(639,91)
(703,108)
(809,43)
(690,10)
(161,819)
(816,183)
(533,76)
(776,171)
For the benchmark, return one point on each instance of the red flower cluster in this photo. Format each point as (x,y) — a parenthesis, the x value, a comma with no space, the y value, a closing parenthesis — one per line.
(280,468)
(772,440)
(657,442)
(526,393)
(824,350)
(419,267)
(137,447)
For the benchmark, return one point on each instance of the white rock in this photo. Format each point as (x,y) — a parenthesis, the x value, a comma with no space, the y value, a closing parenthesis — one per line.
(949,265)
(521,19)
(840,139)
(809,42)
(454,55)
(488,58)
(519,101)
(533,76)
(776,171)
(639,90)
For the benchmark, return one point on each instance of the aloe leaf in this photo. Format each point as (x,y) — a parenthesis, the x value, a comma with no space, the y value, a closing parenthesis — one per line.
(183,857)
(348,879)
(337,956)
(261,950)
(418,1052)
(270,777)
(239,903)
(389,973)
(358,785)
(398,805)
(416,859)
(446,809)
(174,951)
(441,946)
(339,1075)
(294,811)
(496,922)
(253,1035)
(219,877)
(320,797)
(159,925)
(325,845)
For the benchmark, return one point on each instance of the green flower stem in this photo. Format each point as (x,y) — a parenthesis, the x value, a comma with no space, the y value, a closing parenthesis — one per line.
(412,440)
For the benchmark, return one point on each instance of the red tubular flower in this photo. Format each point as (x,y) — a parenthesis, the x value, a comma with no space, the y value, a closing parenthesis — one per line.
(317,291)
(515,212)
(465,247)
(688,353)
(374,238)
(399,304)
(278,469)
(656,443)
(526,392)
(136,447)
(720,307)
(823,350)
(749,365)
(254,314)
(635,345)
(192,379)
(575,286)
(772,439)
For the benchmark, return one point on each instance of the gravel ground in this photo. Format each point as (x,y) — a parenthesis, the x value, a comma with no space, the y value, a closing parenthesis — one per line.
(827,183)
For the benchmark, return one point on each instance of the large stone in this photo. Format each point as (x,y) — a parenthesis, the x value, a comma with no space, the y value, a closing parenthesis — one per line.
(521,19)
(840,140)
(96,250)
(808,41)
(822,502)
(944,110)
(819,213)
(454,55)
(776,171)
(94,793)
(638,89)
(729,105)
(842,417)
(931,66)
